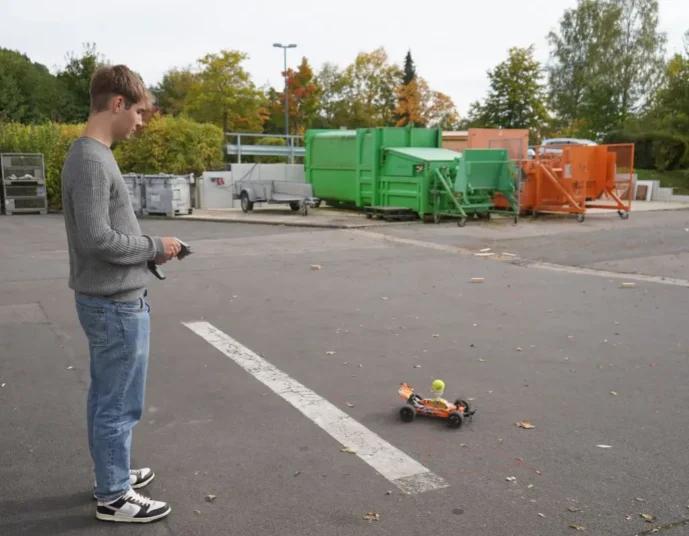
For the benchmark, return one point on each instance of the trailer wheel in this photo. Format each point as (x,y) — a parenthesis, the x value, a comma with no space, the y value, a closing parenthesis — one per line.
(462,222)
(246,203)
(294,205)
(581,218)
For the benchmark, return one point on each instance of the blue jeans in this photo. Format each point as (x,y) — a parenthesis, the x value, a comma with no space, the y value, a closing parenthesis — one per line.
(118,334)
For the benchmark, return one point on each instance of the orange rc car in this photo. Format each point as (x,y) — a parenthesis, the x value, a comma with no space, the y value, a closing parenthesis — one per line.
(433,407)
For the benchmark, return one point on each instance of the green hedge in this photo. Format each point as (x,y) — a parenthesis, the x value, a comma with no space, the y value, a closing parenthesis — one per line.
(661,151)
(165,145)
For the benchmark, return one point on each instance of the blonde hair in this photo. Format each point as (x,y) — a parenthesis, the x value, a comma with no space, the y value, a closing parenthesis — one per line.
(117,80)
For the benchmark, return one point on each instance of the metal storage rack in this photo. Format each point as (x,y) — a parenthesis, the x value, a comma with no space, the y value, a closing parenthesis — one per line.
(23,183)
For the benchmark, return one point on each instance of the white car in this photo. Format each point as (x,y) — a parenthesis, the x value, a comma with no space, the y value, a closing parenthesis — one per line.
(557,144)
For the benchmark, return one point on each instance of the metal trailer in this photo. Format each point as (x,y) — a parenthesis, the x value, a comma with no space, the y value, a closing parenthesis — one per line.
(298,195)
(23,183)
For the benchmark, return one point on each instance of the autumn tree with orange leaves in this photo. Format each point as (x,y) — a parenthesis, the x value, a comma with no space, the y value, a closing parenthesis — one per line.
(303,99)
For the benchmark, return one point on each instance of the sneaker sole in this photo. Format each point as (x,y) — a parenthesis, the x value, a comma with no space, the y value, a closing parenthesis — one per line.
(138,486)
(125,519)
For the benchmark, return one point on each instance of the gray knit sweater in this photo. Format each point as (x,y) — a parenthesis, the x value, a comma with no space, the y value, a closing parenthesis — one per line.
(107,252)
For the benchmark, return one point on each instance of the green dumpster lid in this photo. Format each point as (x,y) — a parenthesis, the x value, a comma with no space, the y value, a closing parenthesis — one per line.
(435,154)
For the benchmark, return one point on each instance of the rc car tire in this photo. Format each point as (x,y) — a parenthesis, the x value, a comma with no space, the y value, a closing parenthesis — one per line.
(455,419)
(407,413)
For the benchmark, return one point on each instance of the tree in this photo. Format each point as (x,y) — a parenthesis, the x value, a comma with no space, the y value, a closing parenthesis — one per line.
(420,106)
(173,90)
(302,99)
(516,98)
(76,77)
(223,93)
(29,93)
(605,62)
(409,69)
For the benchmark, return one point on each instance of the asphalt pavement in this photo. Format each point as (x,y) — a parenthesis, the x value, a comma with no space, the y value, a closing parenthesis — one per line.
(600,371)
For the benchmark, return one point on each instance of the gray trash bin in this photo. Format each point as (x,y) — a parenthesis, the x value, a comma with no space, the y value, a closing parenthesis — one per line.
(136,195)
(168,195)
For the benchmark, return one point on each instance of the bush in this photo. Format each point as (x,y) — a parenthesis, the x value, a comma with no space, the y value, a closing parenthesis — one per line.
(165,145)
(172,145)
(661,151)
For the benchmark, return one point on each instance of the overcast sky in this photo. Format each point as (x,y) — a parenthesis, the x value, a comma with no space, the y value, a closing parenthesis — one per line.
(453,42)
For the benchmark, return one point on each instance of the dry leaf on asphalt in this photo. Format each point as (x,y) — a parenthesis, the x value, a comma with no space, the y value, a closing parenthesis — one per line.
(371,516)
(604,446)
(648,517)
(526,425)
(330,353)
(613,393)
(573,509)
(577,527)
(519,349)
(511,479)
(315,266)
(540,515)
(485,250)
(197,512)
(210,498)
(350,405)
(417,366)
(297,473)
(628,285)
(477,280)
(349,450)
(639,499)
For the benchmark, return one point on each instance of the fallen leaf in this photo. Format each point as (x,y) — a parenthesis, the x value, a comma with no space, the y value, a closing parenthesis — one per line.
(346,363)
(330,352)
(509,254)
(511,479)
(70,368)
(475,325)
(613,393)
(388,492)
(464,446)
(3,385)
(628,285)
(526,425)
(371,516)
(519,349)
(297,473)
(577,527)
(648,517)
(482,360)
(471,399)
(383,298)
(477,280)
(540,515)
(640,499)
(484,254)
(197,473)
(485,250)
(573,509)
(210,498)
(604,446)
(315,266)
(628,518)
(349,405)
(349,450)
(417,366)
(538,473)
(530,486)
(435,336)
(197,512)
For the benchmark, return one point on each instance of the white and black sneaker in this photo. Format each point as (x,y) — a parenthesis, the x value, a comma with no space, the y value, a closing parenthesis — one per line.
(132,508)
(138,478)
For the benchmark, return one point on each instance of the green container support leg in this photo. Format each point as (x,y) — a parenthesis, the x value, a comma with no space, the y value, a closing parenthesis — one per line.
(450,193)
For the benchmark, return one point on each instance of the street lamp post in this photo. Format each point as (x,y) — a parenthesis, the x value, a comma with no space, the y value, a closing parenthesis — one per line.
(284,48)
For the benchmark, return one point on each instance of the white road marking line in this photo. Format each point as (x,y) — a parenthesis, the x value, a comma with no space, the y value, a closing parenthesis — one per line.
(512,259)
(403,471)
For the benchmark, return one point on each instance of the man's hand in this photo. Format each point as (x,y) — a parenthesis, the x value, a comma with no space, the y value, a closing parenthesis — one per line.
(171,248)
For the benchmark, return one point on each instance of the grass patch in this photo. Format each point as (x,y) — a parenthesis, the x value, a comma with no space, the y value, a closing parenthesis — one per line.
(677,179)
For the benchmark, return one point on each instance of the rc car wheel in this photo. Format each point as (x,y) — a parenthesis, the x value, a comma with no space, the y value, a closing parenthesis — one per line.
(460,402)
(407,413)
(455,419)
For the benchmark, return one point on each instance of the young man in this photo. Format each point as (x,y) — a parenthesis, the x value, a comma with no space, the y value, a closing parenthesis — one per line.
(108,258)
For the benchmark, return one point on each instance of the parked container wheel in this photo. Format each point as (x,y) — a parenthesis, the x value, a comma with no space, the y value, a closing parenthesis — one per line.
(246,204)
(295,205)
(455,419)
(304,210)
(516,220)
(407,413)
(460,402)
(624,215)
(462,222)
(581,218)
(436,218)
(487,215)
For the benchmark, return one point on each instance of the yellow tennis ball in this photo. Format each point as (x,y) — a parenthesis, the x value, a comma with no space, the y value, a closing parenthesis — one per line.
(438,385)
